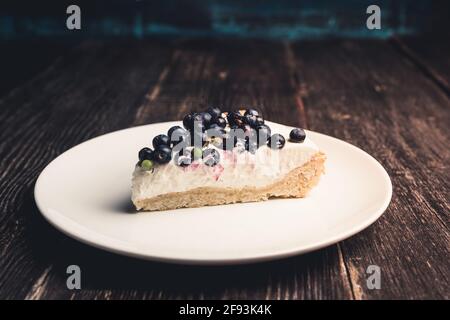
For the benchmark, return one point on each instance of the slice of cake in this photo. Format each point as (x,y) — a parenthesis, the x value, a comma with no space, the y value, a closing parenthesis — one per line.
(221,158)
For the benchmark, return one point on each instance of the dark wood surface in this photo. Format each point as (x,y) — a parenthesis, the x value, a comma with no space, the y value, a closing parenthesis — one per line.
(389,98)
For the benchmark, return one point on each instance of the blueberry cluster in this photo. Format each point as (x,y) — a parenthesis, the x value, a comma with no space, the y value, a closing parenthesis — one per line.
(243,129)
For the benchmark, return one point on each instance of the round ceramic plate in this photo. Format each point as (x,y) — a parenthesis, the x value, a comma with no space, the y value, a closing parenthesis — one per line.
(85,193)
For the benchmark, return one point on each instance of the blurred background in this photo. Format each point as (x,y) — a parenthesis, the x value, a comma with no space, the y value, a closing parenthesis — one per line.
(33,33)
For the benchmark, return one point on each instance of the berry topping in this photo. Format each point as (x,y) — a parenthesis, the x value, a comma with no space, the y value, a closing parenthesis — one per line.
(221,122)
(297,135)
(206,118)
(250,120)
(147,164)
(176,129)
(211,157)
(259,121)
(235,118)
(252,112)
(145,154)
(214,112)
(243,130)
(200,121)
(162,154)
(188,120)
(176,135)
(161,140)
(276,141)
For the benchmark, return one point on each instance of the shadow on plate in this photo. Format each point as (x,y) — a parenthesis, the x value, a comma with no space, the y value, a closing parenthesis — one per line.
(123,205)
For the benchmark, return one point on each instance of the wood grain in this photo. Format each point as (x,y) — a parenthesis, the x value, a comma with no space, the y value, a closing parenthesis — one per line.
(374,97)
(368,93)
(430,55)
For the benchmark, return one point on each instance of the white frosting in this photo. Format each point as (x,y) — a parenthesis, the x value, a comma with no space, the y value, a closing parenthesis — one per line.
(235,170)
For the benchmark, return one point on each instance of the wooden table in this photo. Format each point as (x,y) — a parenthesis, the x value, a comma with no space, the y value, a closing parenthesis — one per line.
(391,98)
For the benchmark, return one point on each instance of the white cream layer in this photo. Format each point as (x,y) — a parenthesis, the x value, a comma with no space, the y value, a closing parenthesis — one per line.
(235,170)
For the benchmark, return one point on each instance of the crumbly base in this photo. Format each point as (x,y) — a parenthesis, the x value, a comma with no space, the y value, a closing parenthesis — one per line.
(296,184)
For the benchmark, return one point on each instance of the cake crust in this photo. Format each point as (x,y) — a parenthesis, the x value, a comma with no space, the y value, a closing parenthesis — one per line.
(296,184)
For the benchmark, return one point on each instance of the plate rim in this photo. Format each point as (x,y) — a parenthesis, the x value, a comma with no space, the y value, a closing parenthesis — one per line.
(78,232)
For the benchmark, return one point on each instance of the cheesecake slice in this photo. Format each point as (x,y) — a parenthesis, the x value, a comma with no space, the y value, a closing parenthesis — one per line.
(289,171)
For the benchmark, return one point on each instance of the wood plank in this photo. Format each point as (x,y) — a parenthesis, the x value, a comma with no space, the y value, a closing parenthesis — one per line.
(108,276)
(18,66)
(224,73)
(430,55)
(73,100)
(228,74)
(369,94)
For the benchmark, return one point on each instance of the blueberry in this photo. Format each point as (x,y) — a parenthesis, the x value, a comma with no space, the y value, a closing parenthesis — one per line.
(221,122)
(194,121)
(173,129)
(176,134)
(183,143)
(276,141)
(206,118)
(252,112)
(197,116)
(145,154)
(259,121)
(161,140)
(250,120)
(211,157)
(297,135)
(264,128)
(162,154)
(235,118)
(199,122)
(199,127)
(183,158)
(188,120)
(214,112)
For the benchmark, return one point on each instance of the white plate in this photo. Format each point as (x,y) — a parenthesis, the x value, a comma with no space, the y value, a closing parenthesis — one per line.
(85,193)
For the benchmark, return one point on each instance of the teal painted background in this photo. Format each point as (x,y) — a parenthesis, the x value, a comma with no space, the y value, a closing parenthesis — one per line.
(283,19)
